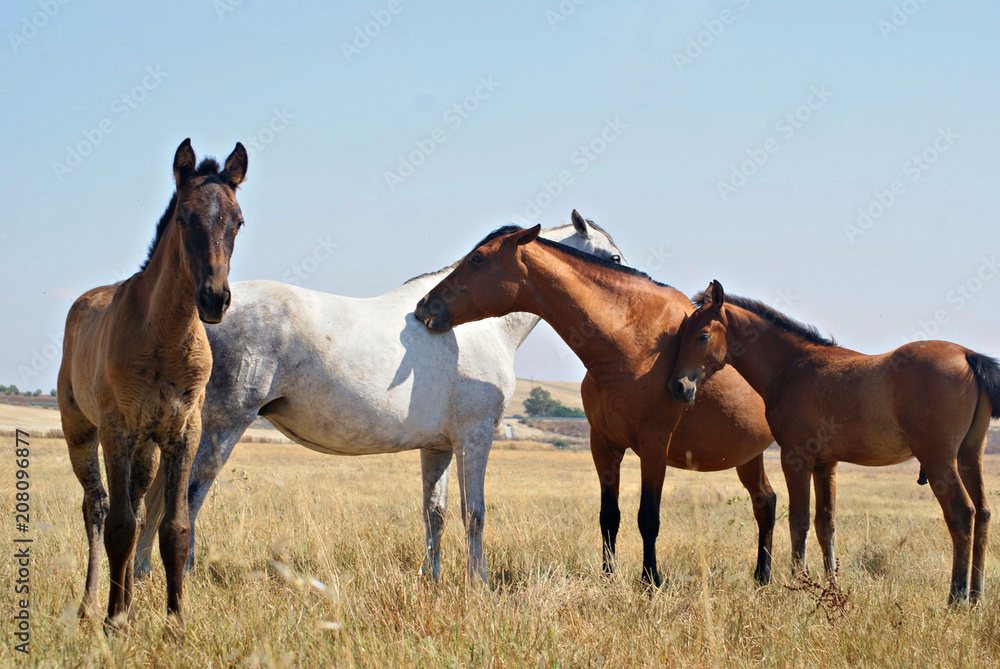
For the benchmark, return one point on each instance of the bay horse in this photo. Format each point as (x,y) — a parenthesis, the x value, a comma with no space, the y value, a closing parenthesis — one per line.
(622,325)
(349,376)
(825,404)
(134,368)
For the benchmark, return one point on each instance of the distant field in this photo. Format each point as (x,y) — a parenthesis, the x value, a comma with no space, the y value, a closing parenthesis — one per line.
(314,560)
(566,392)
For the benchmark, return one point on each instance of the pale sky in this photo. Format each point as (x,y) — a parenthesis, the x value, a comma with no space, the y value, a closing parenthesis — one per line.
(728,139)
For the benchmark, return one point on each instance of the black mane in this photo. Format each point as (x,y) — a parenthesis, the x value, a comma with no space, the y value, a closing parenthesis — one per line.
(774,317)
(586,257)
(576,253)
(600,262)
(208,167)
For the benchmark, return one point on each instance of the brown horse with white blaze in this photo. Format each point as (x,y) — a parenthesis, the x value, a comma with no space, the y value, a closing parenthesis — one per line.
(134,368)
(825,404)
(622,325)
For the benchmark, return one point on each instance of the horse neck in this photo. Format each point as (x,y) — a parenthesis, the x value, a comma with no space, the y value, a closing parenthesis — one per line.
(759,351)
(513,328)
(589,307)
(516,327)
(167,289)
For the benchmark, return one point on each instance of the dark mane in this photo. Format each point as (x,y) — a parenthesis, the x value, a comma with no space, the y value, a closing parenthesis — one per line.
(774,317)
(499,232)
(208,167)
(600,262)
(586,257)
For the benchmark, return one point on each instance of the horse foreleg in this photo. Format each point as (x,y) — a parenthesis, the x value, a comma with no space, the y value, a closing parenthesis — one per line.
(120,530)
(652,465)
(177,455)
(825,483)
(471,458)
(81,437)
(608,461)
(754,479)
(213,451)
(434,468)
(144,462)
(796,470)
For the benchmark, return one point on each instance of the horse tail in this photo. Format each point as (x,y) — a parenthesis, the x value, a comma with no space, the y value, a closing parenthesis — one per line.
(987,373)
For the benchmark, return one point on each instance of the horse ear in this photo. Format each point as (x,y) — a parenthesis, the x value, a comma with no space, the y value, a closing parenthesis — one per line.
(718,295)
(529,235)
(184,161)
(580,223)
(236,166)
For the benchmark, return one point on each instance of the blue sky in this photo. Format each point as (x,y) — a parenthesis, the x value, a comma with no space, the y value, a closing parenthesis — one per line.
(741,141)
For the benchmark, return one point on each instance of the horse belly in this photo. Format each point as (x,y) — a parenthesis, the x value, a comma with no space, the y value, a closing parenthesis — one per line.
(357,425)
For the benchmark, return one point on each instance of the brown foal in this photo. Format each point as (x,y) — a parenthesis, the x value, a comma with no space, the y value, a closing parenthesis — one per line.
(623,326)
(825,404)
(134,368)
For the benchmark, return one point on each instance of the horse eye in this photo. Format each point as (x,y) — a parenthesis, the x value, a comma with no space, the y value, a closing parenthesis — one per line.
(476,259)
(616,259)
(703,337)
(240,223)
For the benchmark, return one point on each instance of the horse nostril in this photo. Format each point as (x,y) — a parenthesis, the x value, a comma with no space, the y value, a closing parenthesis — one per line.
(422,302)
(678,388)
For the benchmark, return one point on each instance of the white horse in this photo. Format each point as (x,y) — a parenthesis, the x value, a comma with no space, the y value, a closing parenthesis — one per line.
(353,376)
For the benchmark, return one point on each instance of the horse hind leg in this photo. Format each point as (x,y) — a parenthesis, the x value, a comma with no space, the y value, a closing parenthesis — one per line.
(434,468)
(970,467)
(764,501)
(81,437)
(959,515)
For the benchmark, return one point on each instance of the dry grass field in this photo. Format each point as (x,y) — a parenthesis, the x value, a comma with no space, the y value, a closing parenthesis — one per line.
(309,560)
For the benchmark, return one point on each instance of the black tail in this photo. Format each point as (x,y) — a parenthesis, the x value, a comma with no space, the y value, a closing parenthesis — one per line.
(987,371)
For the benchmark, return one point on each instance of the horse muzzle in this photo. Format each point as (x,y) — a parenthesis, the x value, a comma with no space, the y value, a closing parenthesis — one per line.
(212,303)
(433,314)
(684,389)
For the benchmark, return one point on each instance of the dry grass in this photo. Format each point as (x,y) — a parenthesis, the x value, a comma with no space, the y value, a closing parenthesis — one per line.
(311,560)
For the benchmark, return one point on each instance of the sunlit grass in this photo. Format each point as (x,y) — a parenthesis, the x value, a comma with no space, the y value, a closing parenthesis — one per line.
(309,560)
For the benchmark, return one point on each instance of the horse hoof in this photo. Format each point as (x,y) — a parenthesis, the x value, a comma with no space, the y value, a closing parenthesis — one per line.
(762,578)
(142,570)
(116,623)
(174,631)
(652,580)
